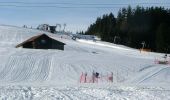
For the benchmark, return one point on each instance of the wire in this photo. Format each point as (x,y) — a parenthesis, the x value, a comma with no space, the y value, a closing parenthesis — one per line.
(73,5)
(52,6)
(61,6)
(54,3)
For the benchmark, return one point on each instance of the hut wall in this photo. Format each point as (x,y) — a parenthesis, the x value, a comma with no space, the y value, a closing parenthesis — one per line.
(44,42)
(28,45)
(57,45)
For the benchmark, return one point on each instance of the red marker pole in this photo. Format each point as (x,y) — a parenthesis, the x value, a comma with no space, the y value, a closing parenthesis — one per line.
(81,77)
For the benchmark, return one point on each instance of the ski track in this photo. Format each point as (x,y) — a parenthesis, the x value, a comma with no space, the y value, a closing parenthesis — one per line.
(18,71)
(153,74)
(147,73)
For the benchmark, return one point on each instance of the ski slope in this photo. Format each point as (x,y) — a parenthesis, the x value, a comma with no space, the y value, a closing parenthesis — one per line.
(53,74)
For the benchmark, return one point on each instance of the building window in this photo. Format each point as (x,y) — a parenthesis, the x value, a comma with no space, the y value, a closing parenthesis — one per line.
(43,41)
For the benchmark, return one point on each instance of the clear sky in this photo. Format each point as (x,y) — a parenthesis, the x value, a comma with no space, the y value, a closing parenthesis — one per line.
(77,14)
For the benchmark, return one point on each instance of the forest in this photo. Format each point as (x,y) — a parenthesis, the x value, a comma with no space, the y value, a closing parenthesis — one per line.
(137,27)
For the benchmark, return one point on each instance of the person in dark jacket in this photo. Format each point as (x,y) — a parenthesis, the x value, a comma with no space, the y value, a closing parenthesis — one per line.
(97,75)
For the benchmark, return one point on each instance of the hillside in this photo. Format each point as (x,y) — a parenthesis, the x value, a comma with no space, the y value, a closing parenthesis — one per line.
(46,68)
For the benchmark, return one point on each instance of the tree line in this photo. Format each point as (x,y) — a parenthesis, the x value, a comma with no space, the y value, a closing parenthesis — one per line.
(135,27)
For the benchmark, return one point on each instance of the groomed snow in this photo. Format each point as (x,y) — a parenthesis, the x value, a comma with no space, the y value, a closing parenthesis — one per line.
(53,74)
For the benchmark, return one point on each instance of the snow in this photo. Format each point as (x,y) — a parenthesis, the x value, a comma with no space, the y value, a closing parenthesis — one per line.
(83,93)
(102,44)
(27,74)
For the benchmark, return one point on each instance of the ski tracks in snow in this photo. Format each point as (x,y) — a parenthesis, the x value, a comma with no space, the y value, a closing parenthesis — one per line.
(147,73)
(82,93)
(25,66)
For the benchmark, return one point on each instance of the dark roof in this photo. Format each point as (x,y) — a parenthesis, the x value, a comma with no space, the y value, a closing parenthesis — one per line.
(35,37)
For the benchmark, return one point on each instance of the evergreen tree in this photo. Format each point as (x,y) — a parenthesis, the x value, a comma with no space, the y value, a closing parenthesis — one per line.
(134,26)
(104,27)
(162,38)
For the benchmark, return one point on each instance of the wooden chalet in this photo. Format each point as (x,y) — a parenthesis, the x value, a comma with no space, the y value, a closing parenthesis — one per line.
(42,41)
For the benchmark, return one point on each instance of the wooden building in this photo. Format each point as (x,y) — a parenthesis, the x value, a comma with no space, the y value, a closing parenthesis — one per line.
(42,42)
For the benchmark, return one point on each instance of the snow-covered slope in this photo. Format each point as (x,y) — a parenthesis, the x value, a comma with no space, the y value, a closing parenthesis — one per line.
(30,67)
(55,66)
(10,35)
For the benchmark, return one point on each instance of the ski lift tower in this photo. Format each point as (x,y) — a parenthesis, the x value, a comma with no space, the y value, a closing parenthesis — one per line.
(143,44)
(64,27)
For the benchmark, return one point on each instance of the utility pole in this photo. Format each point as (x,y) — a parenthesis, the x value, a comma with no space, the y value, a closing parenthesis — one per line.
(115,39)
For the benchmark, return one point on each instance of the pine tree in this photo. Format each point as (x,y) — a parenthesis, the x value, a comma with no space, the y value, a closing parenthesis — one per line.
(133,26)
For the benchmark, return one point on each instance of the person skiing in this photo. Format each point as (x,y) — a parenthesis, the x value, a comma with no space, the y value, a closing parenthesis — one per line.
(97,75)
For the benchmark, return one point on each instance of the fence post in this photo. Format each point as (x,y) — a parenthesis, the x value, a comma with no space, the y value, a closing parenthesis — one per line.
(85,78)
(81,77)
(111,77)
(93,77)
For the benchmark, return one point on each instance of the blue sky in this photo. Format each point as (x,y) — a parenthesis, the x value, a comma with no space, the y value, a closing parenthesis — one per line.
(77,19)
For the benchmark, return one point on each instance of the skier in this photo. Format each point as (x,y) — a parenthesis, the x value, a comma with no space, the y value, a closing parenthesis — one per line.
(165,57)
(97,75)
